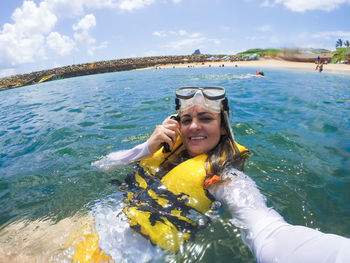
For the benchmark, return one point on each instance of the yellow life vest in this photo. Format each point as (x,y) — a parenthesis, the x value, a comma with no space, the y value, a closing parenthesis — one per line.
(160,203)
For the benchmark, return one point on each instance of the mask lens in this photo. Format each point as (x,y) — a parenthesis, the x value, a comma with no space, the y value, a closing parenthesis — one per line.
(214,93)
(186,92)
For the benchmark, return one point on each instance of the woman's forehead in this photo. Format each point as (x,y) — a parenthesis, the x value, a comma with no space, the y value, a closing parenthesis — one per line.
(197,110)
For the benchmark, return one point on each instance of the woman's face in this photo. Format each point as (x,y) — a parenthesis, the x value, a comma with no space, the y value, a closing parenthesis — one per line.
(200,129)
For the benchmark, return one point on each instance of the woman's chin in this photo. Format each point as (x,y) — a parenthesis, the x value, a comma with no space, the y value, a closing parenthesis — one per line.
(193,151)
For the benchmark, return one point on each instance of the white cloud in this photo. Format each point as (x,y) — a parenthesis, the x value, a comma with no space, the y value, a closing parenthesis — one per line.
(172,33)
(182,39)
(303,5)
(91,49)
(187,42)
(182,32)
(73,8)
(86,23)
(266,3)
(83,38)
(82,35)
(31,19)
(160,34)
(264,28)
(66,8)
(100,4)
(61,45)
(177,1)
(332,35)
(225,28)
(24,40)
(130,5)
(7,72)
(31,37)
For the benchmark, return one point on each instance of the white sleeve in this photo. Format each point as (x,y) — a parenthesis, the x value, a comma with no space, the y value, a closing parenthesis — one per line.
(113,160)
(269,237)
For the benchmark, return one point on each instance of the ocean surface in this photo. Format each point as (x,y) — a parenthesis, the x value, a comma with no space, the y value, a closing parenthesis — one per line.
(296,125)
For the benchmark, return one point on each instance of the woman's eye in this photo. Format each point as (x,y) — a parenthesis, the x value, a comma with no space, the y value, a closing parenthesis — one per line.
(206,119)
(186,121)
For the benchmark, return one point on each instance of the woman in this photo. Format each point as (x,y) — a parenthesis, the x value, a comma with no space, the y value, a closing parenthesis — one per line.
(166,198)
(168,190)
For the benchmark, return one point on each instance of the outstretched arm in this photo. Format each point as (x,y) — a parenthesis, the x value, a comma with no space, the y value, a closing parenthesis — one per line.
(269,236)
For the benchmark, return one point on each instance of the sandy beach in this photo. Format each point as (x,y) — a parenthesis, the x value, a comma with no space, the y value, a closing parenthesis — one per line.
(261,64)
(158,62)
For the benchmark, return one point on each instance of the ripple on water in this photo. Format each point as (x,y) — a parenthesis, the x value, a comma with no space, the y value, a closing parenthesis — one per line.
(87,123)
(78,110)
(119,127)
(59,108)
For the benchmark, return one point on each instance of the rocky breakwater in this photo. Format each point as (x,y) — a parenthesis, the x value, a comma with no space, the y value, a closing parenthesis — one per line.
(95,68)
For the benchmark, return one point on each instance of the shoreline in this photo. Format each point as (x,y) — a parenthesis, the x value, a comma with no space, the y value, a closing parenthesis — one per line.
(159,62)
(260,64)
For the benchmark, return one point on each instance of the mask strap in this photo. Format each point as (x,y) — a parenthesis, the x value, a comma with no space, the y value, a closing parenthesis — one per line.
(177,103)
(226,111)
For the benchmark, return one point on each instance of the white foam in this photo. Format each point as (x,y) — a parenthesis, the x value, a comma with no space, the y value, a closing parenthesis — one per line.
(117,238)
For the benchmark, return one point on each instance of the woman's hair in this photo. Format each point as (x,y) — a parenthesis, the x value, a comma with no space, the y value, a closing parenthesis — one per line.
(225,153)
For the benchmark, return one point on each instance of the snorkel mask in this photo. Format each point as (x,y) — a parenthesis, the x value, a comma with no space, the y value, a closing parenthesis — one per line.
(212,98)
(208,97)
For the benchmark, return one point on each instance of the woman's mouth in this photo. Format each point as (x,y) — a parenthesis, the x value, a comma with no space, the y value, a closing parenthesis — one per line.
(197,138)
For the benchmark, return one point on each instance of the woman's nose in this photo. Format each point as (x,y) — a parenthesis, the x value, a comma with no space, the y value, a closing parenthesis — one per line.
(194,125)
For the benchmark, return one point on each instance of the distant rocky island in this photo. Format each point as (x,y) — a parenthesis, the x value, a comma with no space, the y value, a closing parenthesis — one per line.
(98,67)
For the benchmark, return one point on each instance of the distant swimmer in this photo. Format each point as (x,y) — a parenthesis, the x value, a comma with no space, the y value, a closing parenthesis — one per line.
(259,73)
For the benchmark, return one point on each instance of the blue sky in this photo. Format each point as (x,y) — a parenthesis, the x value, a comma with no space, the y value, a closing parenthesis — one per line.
(42,34)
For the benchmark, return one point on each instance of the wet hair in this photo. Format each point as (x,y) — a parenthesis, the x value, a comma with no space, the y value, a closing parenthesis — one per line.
(225,153)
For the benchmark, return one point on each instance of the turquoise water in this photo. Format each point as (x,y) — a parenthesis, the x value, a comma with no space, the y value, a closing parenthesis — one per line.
(296,125)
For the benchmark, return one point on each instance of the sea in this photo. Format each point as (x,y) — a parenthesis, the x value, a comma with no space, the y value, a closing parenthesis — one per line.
(296,125)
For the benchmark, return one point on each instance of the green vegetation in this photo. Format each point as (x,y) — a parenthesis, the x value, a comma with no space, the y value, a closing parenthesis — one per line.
(260,52)
(340,54)
(320,50)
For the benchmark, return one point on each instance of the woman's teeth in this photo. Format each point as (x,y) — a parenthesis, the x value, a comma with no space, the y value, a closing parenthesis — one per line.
(197,138)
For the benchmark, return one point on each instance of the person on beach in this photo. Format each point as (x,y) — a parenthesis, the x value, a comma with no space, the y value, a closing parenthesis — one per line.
(203,165)
(320,68)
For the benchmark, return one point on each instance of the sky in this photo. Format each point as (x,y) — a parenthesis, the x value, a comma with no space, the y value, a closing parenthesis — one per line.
(43,34)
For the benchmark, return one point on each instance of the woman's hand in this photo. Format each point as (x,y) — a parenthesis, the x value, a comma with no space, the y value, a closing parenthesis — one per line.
(167,132)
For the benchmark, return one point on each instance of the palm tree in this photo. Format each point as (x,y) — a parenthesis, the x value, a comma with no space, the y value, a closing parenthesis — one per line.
(347,43)
(339,43)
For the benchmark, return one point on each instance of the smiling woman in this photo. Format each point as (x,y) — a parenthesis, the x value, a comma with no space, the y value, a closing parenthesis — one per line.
(169,186)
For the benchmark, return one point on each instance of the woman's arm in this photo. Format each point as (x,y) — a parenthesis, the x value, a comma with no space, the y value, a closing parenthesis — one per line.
(268,235)
(167,132)
(116,159)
